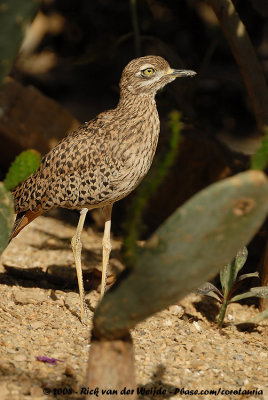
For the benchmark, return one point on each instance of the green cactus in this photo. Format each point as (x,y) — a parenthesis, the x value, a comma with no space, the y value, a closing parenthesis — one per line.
(190,247)
(14,17)
(24,165)
(6,216)
(260,159)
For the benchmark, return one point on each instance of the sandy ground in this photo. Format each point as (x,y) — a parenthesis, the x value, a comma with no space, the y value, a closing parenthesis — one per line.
(178,348)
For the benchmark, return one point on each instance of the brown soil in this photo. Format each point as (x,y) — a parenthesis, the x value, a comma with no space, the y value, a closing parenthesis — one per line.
(179,347)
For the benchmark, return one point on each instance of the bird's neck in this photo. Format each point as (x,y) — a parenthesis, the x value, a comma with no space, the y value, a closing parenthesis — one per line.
(139,130)
(136,105)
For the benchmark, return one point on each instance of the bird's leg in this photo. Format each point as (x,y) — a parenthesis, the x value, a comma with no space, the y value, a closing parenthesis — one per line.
(106,243)
(77,247)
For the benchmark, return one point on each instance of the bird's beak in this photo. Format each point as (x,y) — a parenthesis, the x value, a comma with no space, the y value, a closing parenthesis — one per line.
(181,72)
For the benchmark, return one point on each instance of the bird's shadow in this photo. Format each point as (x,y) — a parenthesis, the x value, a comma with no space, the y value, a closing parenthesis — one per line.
(64,243)
(63,280)
(56,276)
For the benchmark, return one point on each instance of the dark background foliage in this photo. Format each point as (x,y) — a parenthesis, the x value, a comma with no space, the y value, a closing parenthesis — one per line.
(94,40)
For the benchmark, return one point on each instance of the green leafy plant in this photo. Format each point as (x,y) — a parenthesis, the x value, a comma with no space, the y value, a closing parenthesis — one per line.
(24,165)
(260,159)
(6,216)
(230,283)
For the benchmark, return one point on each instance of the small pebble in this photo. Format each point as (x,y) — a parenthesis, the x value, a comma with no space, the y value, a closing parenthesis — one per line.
(168,322)
(68,370)
(238,357)
(37,324)
(24,297)
(176,310)
(197,326)
(20,357)
(36,392)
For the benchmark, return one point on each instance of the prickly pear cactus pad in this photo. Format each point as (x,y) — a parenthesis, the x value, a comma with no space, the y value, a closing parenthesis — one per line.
(6,216)
(14,17)
(24,165)
(192,245)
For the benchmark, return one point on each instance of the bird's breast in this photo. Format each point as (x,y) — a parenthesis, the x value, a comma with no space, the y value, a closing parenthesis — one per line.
(136,151)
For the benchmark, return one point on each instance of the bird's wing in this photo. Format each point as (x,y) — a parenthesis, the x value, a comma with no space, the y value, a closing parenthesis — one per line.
(74,173)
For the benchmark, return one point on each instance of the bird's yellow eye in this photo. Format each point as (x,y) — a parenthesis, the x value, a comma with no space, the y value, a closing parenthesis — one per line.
(148,72)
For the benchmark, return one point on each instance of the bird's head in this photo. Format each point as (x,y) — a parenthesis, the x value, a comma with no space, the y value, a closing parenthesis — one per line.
(146,75)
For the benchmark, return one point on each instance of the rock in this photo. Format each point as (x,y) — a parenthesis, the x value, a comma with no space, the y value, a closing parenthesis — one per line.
(25,387)
(176,310)
(68,370)
(29,119)
(197,326)
(238,357)
(37,392)
(37,324)
(20,357)
(72,300)
(24,297)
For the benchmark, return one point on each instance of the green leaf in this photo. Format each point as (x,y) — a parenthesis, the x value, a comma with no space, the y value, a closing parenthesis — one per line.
(6,216)
(261,316)
(260,159)
(241,296)
(14,17)
(261,292)
(246,276)
(229,273)
(24,165)
(225,276)
(214,296)
(240,259)
(208,289)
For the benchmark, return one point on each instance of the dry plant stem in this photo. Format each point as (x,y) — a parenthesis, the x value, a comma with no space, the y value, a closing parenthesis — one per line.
(245,56)
(264,302)
(252,73)
(135,23)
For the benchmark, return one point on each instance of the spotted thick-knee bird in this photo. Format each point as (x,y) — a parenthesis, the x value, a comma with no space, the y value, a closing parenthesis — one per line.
(102,161)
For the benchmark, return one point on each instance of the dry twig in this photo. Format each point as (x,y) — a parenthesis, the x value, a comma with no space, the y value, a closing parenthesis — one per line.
(246,58)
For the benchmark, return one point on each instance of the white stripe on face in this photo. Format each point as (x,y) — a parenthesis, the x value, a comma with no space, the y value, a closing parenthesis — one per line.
(149,81)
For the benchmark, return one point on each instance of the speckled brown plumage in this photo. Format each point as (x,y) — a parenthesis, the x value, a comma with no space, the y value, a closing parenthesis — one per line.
(106,158)
(99,163)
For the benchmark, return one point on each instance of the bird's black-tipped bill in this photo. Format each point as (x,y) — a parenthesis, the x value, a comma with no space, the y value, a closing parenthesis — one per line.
(182,73)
